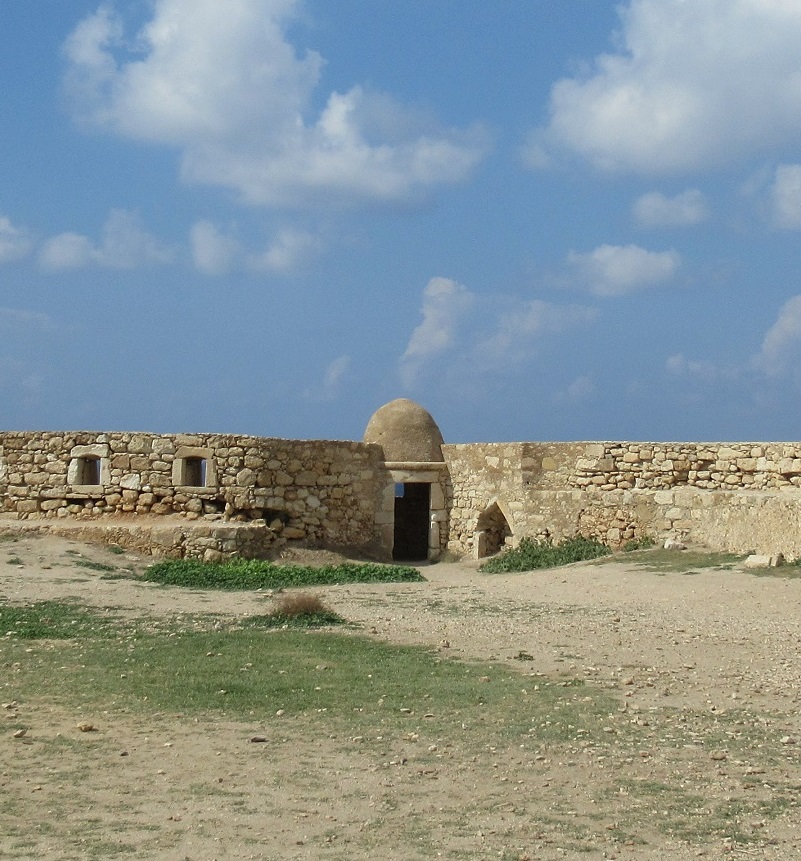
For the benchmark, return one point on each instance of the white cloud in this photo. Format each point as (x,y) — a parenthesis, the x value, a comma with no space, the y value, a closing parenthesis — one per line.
(517,332)
(581,389)
(656,210)
(66,251)
(334,374)
(125,244)
(786,196)
(468,338)
(781,346)
(16,319)
(220,82)
(213,252)
(691,84)
(706,372)
(445,304)
(291,249)
(14,242)
(615,270)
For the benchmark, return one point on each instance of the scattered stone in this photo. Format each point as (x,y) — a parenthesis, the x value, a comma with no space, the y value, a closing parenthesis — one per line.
(258,739)
(673,544)
(85,727)
(20,733)
(718,755)
(788,739)
(758,560)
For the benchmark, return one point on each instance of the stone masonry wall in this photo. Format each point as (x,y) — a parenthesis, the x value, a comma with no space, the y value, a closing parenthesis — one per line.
(740,497)
(317,491)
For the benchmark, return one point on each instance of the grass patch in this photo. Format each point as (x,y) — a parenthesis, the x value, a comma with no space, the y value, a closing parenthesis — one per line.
(683,561)
(257,574)
(530,555)
(245,672)
(94,566)
(14,560)
(51,620)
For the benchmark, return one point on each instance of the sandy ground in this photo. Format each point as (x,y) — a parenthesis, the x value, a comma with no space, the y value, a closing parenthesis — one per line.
(674,650)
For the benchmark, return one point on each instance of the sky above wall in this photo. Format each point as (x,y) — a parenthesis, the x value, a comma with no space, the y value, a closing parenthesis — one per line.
(572,220)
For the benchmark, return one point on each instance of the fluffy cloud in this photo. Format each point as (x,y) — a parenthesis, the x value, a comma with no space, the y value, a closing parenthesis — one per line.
(703,371)
(616,270)
(786,196)
(213,252)
(517,332)
(656,210)
(220,82)
(445,304)
(14,242)
(290,250)
(17,320)
(125,244)
(781,346)
(692,84)
(459,333)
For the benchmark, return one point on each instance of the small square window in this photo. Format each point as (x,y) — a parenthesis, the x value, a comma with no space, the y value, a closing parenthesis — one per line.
(400,490)
(194,472)
(88,470)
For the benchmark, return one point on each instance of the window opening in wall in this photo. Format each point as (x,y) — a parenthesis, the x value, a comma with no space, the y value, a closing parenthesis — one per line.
(400,489)
(195,472)
(88,470)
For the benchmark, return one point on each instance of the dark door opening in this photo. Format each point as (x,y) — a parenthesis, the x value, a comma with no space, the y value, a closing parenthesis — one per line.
(412,505)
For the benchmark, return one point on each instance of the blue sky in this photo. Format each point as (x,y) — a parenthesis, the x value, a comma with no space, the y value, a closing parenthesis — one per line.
(542,221)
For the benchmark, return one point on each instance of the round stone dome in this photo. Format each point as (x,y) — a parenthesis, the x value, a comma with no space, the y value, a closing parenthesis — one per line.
(406,432)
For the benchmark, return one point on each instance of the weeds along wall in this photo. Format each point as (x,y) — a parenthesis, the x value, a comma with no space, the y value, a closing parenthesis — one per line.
(743,497)
(234,494)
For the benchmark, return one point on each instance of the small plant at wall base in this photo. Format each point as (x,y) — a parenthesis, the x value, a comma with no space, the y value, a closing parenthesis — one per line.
(531,554)
(645,542)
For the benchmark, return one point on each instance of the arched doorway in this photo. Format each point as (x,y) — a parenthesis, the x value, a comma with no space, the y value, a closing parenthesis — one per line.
(492,530)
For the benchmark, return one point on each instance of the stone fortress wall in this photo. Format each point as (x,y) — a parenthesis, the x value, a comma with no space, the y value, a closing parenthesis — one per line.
(740,497)
(213,496)
(224,495)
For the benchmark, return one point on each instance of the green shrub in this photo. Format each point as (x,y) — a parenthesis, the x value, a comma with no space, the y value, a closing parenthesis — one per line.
(257,574)
(531,554)
(644,542)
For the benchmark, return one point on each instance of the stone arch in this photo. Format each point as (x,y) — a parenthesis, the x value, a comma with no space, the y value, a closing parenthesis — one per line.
(492,530)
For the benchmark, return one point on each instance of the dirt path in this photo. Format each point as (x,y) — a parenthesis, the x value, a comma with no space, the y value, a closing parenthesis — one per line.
(711,643)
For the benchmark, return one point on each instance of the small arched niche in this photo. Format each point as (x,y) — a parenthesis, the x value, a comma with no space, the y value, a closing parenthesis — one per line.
(492,530)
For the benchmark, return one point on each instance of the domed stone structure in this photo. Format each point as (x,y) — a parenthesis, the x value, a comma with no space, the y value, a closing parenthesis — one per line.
(413,518)
(406,432)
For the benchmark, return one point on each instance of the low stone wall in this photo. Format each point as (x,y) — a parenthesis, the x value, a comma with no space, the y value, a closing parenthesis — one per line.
(316,491)
(162,537)
(743,497)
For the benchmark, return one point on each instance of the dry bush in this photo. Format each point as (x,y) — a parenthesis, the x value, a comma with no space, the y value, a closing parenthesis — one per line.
(295,604)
